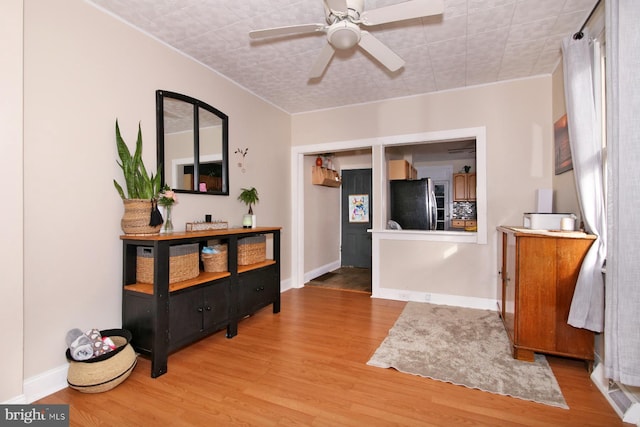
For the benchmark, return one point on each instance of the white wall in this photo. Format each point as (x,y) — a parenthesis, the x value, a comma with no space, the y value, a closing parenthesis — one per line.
(321,224)
(11,263)
(83,70)
(517,117)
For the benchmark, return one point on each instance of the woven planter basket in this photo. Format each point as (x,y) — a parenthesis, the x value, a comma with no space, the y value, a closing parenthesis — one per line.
(135,220)
(215,263)
(104,372)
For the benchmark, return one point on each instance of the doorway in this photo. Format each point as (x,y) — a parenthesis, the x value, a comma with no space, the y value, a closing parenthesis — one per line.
(376,146)
(354,273)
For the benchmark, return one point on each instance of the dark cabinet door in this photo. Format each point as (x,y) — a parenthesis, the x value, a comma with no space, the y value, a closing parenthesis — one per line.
(197,312)
(256,289)
(186,316)
(216,306)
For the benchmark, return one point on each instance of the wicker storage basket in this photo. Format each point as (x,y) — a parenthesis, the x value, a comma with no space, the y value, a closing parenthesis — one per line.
(183,263)
(215,263)
(252,250)
(104,372)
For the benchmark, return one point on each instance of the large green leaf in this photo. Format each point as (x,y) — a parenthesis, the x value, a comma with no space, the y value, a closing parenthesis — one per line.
(139,183)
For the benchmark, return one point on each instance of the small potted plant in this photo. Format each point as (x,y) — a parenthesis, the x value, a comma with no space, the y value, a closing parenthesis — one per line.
(249,196)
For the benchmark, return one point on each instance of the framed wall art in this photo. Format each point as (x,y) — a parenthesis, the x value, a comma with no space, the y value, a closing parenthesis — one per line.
(562,147)
(358,208)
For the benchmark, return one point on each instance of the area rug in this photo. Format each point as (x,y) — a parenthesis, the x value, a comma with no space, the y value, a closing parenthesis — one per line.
(467,347)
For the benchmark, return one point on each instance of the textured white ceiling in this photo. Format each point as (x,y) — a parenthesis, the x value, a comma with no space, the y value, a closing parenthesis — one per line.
(473,42)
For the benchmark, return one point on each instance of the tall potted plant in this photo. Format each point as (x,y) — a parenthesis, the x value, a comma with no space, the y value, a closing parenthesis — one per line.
(249,196)
(141,215)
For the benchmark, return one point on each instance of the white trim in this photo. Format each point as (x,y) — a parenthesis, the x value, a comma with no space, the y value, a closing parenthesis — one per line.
(18,400)
(377,145)
(418,95)
(285,285)
(46,383)
(321,270)
(432,236)
(439,299)
(632,413)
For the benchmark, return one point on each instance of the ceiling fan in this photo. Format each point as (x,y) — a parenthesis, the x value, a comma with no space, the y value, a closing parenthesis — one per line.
(344,18)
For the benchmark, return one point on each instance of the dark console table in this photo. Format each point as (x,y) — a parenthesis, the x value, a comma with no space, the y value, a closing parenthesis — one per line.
(164,317)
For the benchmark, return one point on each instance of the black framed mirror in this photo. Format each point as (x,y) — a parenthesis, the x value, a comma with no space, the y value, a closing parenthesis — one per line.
(192,144)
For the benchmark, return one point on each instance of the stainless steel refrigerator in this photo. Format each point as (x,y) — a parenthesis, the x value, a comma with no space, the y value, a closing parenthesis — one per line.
(413,204)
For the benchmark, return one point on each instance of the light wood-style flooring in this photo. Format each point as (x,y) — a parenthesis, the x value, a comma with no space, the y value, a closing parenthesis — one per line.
(306,366)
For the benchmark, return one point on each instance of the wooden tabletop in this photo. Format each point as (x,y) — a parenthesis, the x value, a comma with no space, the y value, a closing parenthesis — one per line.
(202,233)
(521,231)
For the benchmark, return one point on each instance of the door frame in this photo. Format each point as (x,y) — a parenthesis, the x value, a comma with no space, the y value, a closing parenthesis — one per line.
(378,166)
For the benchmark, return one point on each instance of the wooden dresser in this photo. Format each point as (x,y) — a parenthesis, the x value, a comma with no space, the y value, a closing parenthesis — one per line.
(536,278)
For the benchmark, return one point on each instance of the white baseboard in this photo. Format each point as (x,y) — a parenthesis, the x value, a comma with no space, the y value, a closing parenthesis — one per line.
(440,299)
(310,275)
(41,385)
(46,383)
(285,285)
(18,400)
(625,402)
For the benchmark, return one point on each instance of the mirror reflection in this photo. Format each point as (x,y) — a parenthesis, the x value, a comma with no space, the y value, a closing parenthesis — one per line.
(192,144)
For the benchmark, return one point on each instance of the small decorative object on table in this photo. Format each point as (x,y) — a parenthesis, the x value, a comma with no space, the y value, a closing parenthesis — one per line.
(167,198)
(208,225)
(249,196)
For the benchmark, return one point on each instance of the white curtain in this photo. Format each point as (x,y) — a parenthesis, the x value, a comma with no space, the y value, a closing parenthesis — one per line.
(587,306)
(622,323)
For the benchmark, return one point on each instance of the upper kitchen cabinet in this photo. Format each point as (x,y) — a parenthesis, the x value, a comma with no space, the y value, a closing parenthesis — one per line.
(464,187)
(401,169)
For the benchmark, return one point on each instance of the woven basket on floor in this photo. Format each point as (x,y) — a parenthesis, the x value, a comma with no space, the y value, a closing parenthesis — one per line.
(183,263)
(107,371)
(215,263)
(252,250)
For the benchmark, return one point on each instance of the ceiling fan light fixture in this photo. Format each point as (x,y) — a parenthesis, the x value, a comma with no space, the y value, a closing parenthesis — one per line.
(343,35)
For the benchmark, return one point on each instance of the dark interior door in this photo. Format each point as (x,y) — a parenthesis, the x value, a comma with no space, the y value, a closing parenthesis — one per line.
(356,218)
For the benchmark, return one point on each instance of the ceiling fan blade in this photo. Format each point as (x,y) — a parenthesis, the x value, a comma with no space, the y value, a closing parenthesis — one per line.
(381,52)
(337,5)
(289,30)
(401,11)
(321,62)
